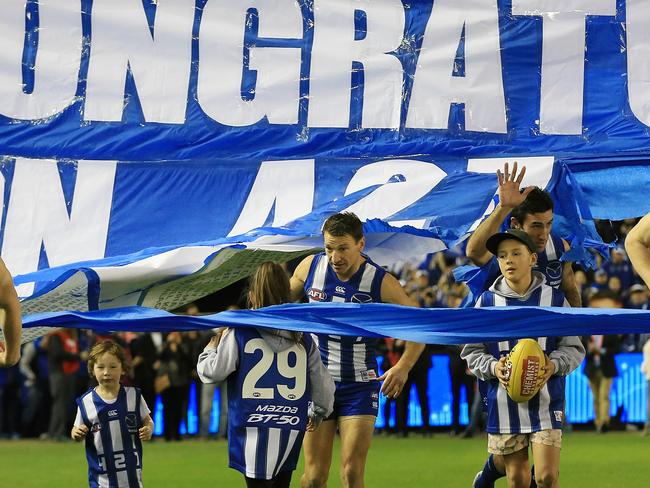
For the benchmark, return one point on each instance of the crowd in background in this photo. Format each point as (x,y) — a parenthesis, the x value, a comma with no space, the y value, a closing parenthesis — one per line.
(37,396)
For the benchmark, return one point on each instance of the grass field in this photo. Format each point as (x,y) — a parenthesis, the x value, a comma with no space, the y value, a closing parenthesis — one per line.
(588,460)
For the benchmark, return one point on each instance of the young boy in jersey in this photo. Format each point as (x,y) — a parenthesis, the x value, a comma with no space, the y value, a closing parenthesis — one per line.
(512,426)
(114,420)
(277,387)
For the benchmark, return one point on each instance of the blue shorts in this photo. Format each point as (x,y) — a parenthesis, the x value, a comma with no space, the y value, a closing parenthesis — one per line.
(352,398)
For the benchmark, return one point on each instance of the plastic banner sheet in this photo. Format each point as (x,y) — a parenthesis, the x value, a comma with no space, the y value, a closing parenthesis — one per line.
(425,325)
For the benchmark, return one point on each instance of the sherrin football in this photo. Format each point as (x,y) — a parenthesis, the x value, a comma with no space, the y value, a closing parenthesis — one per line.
(524,363)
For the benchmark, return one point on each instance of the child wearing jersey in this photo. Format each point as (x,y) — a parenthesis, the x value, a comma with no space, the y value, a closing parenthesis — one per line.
(277,387)
(114,420)
(512,426)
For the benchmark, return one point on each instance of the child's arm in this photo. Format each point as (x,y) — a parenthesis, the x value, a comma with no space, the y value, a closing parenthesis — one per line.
(79,429)
(322,389)
(146,431)
(568,355)
(216,362)
(479,361)
(79,432)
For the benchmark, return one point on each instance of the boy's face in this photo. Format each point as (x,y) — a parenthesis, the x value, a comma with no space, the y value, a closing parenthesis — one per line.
(343,254)
(108,370)
(537,226)
(515,260)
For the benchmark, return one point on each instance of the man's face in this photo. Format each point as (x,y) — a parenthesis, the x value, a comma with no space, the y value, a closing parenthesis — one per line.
(343,254)
(537,226)
(515,260)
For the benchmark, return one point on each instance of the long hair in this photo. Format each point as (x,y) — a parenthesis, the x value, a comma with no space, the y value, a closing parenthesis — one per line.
(109,347)
(270,286)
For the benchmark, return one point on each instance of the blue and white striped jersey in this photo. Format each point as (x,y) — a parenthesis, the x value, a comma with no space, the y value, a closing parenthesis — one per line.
(349,359)
(113,446)
(268,400)
(546,409)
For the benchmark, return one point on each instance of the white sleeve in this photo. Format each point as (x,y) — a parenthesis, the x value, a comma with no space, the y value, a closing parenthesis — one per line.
(322,384)
(144,408)
(78,420)
(215,365)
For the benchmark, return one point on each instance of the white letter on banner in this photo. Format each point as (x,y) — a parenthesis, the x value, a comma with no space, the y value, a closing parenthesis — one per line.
(221,44)
(37,214)
(287,185)
(416,179)
(637,19)
(160,63)
(334,51)
(56,69)
(481,89)
(563,58)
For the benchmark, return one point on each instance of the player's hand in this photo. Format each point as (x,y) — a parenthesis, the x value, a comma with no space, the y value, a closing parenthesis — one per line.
(546,372)
(501,370)
(145,432)
(8,361)
(394,380)
(79,432)
(509,185)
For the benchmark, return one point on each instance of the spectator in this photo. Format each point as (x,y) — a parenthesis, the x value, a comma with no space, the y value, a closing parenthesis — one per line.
(145,363)
(620,267)
(174,361)
(600,366)
(64,361)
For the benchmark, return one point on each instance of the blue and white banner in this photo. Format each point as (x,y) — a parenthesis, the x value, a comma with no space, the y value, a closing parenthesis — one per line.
(425,325)
(276,79)
(153,150)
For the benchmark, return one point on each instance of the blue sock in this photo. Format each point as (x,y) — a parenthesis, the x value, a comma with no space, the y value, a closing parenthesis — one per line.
(489,475)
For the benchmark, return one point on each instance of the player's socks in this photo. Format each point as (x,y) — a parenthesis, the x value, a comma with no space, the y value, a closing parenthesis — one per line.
(489,475)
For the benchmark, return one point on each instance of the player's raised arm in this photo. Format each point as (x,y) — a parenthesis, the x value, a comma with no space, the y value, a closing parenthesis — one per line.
(395,378)
(12,326)
(509,198)
(297,281)
(637,245)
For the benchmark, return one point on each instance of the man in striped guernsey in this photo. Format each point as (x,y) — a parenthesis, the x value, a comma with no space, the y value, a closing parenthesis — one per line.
(344,274)
(513,426)
(532,211)
(114,420)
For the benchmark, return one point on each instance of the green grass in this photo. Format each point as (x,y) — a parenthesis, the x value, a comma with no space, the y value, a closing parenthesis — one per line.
(588,460)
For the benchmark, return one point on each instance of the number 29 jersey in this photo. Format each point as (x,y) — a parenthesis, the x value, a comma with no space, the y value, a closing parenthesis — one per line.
(268,399)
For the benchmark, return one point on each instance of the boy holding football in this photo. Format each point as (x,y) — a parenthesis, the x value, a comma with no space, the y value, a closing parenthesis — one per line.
(512,426)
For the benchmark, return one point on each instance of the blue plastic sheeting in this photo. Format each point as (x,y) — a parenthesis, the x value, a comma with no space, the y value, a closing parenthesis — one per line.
(431,326)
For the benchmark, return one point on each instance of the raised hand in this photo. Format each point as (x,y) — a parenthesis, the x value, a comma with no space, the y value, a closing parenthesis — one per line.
(509,186)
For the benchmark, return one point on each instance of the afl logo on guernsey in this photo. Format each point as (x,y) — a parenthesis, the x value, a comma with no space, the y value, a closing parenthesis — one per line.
(361,298)
(554,270)
(317,295)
